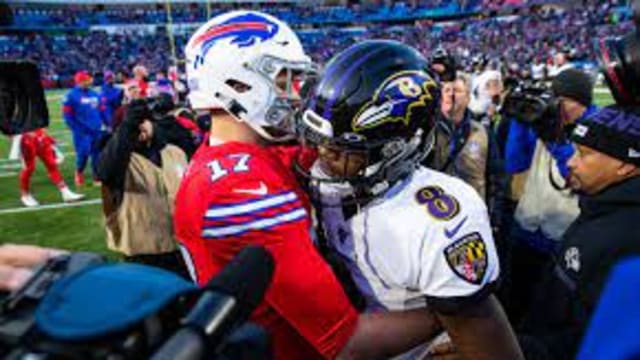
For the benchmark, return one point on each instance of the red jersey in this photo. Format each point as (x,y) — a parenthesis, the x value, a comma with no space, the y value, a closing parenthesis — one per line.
(236,194)
(144,88)
(39,136)
(37,139)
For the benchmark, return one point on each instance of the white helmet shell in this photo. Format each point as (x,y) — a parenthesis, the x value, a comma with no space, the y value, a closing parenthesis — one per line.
(233,61)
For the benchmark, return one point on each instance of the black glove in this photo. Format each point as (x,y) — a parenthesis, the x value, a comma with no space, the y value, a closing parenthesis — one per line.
(549,126)
(447,61)
(137,111)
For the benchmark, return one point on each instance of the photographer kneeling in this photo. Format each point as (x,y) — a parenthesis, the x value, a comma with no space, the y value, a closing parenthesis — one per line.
(605,172)
(536,156)
(140,173)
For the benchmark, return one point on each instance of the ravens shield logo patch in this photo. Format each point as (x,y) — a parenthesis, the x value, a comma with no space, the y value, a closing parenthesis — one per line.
(467,257)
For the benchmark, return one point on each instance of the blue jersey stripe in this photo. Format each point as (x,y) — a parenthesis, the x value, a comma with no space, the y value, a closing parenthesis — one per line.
(249,207)
(261,224)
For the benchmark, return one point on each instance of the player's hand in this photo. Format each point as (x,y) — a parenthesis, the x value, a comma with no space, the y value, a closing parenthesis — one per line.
(26,256)
(444,64)
(17,261)
(443,351)
(12,278)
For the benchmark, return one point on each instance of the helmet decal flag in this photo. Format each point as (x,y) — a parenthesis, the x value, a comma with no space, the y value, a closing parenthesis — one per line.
(395,99)
(243,31)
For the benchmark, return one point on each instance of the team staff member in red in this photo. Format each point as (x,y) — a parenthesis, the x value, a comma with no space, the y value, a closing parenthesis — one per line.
(34,144)
(238,190)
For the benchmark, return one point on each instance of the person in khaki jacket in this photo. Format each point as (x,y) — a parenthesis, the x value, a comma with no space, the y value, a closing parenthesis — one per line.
(141,173)
(462,144)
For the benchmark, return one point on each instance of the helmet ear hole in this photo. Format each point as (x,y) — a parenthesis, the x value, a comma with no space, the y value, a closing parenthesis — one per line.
(238,86)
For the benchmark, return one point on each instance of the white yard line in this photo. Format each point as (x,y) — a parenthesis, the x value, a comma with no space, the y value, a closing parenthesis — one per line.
(58,135)
(8,174)
(55,97)
(10,166)
(50,206)
(57,132)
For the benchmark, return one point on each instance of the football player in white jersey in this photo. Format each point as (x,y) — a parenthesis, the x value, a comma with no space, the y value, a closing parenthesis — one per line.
(410,236)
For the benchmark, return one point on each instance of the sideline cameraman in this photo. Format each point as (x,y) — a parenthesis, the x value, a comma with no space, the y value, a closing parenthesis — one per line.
(141,173)
(545,209)
(605,171)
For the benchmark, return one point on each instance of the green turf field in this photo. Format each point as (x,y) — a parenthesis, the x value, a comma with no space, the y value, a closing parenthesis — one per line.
(73,228)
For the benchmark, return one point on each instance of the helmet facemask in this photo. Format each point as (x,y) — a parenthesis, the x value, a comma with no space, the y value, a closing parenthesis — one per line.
(283,80)
(351,170)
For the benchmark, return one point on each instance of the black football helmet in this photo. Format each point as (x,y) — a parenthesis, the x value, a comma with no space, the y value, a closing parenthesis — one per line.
(375,106)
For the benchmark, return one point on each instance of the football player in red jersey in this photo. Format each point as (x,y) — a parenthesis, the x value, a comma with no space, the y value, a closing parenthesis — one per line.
(34,144)
(240,189)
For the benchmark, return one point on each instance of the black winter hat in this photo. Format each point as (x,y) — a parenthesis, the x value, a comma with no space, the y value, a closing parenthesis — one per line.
(574,84)
(611,130)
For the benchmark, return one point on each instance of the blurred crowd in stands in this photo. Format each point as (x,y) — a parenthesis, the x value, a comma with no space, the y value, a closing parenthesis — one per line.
(294,13)
(516,41)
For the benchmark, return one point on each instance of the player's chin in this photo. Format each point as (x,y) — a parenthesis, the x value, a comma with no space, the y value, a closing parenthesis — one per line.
(574,183)
(278,133)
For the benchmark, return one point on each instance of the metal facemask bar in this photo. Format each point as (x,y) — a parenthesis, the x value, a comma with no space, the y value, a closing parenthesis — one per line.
(283,107)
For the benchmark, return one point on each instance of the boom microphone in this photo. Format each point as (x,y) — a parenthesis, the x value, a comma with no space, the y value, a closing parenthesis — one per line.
(227,302)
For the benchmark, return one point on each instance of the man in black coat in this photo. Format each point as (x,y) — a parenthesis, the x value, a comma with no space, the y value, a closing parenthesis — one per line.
(605,171)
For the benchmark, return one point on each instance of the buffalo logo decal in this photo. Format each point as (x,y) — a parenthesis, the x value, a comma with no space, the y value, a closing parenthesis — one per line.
(395,99)
(243,31)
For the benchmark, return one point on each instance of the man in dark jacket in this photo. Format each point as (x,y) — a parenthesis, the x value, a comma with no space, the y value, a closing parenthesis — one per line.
(605,172)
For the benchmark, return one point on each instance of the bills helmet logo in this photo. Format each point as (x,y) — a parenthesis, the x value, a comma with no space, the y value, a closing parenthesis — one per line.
(243,31)
(395,99)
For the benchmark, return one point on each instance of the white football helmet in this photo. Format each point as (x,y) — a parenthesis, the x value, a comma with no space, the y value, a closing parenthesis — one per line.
(232,64)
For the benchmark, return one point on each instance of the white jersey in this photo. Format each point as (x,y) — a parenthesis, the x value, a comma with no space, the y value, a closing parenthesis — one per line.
(429,240)
(537,71)
(555,70)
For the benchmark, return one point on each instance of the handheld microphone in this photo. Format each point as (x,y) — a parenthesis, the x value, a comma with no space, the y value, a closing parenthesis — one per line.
(227,302)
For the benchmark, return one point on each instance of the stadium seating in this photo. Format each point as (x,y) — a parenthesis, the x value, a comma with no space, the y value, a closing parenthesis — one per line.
(528,35)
